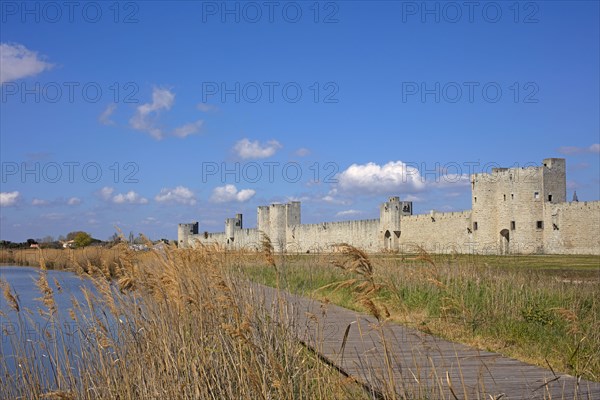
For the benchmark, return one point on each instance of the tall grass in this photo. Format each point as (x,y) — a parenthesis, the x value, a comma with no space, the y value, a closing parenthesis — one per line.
(548,320)
(62,259)
(168,324)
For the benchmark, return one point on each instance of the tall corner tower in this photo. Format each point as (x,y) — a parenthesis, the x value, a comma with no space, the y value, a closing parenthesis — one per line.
(184,233)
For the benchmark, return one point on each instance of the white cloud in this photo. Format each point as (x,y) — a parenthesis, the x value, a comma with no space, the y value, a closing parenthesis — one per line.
(207,108)
(570,150)
(188,129)
(9,199)
(302,152)
(53,216)
(74,201)
(299,198)
(104,118)
(144,118)
(393,177)
(450,181)
(106,192)
(227,193)
(180,195)
(330,198)
(16,62)
(347,213)
(39,202)
(150,221)
(131,197)
(413,198)
(248,150)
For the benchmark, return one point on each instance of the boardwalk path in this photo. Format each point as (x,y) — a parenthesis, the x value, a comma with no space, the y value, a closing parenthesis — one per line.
(422,365)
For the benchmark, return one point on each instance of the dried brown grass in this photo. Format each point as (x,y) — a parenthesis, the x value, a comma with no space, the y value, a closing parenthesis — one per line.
(167,323)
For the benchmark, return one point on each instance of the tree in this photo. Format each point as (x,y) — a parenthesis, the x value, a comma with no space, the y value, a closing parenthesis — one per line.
(82,239)
(72,235)
(47,239)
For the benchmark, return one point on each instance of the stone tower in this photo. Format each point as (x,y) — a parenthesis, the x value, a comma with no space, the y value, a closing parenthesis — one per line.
(263,222)
(508,206)
(390,217)
(232,226)
(274,221)
(184,231)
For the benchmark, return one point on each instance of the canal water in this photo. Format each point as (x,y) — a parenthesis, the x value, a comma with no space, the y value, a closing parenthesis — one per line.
(31,339)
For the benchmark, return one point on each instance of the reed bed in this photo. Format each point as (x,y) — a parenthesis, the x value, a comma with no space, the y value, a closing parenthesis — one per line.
(63,259)
(163,324)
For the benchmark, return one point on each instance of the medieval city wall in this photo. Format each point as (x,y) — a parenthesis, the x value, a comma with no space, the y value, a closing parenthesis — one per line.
(514,211)
(207,238)
(437,232)
(572,228)
(243,238)
(363,234)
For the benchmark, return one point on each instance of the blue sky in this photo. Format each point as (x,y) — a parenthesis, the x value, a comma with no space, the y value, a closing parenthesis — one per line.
(140,115)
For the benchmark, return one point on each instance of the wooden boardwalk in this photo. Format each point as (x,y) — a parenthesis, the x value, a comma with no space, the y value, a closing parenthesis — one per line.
(419,365)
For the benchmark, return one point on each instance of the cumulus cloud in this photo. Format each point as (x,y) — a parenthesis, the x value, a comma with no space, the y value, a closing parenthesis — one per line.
(227,193)
(188,129)
(145,117)
(104,118)
(39,202)
(570,150)
(106,192)
(9,199)
(131,197)
(333,198)
(395,176)
(73,201)
(247,149)
(16,62)
(348,213)
(180,195)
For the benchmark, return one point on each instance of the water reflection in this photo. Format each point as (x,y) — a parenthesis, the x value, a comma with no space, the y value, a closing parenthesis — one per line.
(49,344)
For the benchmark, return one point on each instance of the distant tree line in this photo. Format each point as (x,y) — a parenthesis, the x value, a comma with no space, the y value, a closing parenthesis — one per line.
(75,239)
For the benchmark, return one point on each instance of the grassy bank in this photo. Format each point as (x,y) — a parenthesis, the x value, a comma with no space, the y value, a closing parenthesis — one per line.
(541,309)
